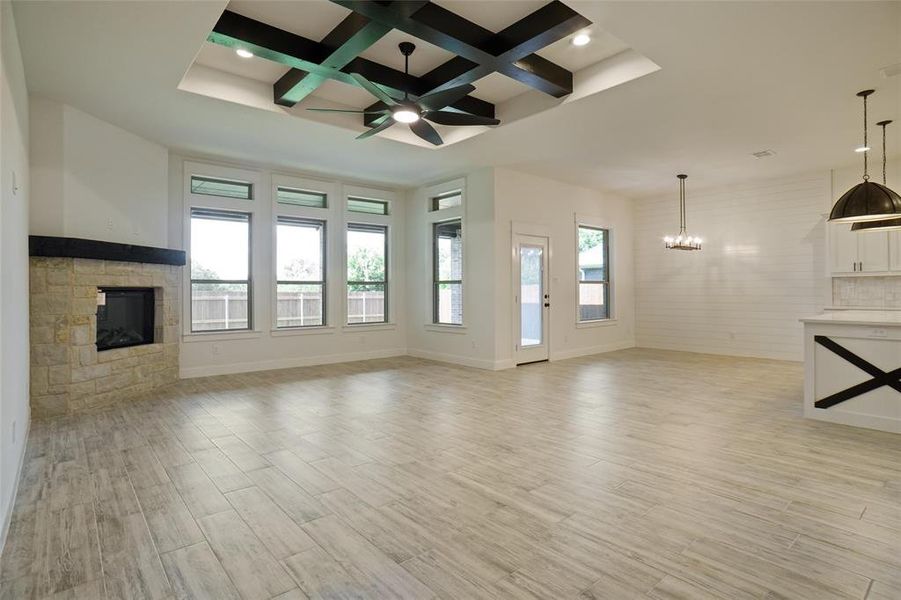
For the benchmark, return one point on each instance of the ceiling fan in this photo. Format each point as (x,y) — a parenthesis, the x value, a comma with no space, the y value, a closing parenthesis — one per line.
(415,114)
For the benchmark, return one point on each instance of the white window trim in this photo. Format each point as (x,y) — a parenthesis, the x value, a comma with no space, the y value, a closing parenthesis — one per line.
(330,215)
(438,216)
(596,223)
(256,207)
(388,221)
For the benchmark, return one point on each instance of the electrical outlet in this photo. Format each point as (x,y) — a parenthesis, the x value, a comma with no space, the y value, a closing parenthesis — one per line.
(109,224)
(214,349)
(473,345)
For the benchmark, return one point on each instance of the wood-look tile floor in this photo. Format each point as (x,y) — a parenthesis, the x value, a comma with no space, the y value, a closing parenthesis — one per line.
(635,474)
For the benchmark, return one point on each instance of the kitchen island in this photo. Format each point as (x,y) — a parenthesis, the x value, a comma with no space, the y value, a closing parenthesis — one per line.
(852,368)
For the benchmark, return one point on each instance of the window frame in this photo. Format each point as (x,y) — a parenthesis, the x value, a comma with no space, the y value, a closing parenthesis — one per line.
(328,215)
(437,216)
(248,282)
(258,220)
(385,229)
(389,220)
(437,282)
(607,283)
(324,262)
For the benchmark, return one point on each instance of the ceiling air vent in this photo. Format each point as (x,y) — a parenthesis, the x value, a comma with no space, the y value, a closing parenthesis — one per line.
(891,70)
(763,154)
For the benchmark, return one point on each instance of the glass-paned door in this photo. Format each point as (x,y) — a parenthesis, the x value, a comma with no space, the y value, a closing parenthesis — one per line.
(531,298)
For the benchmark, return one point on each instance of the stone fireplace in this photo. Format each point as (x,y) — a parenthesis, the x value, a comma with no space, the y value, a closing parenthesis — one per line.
(68,373)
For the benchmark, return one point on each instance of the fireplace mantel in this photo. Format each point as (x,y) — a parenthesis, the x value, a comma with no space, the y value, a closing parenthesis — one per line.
(64,247)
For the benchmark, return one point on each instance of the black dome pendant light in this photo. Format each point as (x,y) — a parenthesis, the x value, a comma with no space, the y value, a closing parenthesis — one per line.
(883,224)
(866,201)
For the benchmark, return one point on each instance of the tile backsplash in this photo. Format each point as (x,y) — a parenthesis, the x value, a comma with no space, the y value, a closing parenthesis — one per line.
(875,292)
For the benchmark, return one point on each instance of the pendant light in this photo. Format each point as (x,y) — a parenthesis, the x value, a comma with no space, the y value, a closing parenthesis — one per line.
(866,201)
(883,224)
(683,241)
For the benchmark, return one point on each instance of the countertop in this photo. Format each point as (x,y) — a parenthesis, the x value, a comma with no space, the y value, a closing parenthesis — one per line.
(888,318)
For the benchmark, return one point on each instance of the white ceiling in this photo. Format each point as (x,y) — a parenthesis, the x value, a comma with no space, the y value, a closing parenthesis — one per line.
(736,77)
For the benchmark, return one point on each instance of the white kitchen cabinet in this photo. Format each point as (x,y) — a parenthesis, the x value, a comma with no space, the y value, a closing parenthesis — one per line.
(872,251)
(894,250)
(861,252)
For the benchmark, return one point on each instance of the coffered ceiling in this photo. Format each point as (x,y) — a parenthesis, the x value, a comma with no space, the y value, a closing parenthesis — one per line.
(729,79)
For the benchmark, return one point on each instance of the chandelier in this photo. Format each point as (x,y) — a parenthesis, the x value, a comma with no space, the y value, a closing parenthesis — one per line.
(683,241)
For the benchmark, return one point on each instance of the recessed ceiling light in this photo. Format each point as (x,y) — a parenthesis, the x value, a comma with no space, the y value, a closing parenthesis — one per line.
(243,53)
(862,149)
(581,39)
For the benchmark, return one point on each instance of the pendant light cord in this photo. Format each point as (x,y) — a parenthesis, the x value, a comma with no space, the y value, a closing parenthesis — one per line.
(866,176)
(682,205)
(883,123)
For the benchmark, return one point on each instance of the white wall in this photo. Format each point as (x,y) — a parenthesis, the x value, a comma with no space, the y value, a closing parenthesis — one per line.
(762,267)
(535,201)
(472,344)
(14,192)
(93,180)
(264,348)
(495,199)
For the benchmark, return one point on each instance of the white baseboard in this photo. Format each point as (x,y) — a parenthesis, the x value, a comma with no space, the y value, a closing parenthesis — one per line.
(466,361)
(7,518)
(720,351)
(287,363)
(589,350)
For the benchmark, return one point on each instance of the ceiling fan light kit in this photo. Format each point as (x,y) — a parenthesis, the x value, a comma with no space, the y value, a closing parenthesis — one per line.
(415,113)
(866,201)
(683,241)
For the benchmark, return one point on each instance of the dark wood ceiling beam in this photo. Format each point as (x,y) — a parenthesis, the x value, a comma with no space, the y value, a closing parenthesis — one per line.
(308,57)
(346,41)
(350,38)
(510,52)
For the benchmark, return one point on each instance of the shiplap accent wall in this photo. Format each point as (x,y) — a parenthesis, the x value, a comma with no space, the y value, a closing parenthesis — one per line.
(763,266)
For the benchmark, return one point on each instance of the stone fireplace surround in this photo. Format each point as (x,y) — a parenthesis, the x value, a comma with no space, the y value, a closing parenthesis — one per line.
(67,372)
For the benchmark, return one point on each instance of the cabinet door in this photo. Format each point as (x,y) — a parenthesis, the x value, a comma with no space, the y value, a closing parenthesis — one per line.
(842,247)
(872,251)
(894,250)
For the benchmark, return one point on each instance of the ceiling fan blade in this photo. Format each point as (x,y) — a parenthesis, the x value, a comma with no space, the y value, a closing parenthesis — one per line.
(374,89)
(440,99)
(388,123)
(446,117)
(426,132)
(356,112)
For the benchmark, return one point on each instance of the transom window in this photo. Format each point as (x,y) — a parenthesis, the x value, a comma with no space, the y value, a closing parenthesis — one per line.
(446,200)
(447,263)
(224,188)
(220,270)
(298,197)
(300,272)
(594,273)
(366,206)
(367,273)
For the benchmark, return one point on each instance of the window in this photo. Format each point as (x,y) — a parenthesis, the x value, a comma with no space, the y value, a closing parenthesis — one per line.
(447,261)
(220,270)
(300,272)
(367,273)
(369,207)
(226,188)
(447,200)
(594,273)
(296,197)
